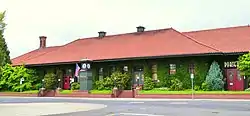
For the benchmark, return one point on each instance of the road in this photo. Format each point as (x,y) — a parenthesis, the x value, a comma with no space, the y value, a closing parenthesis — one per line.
(133,107)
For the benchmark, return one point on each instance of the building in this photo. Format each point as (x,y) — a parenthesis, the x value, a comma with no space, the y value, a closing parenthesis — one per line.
(155,53)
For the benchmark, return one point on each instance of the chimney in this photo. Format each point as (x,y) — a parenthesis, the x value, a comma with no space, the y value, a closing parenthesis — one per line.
(140,29)
(102,33)
(42,41)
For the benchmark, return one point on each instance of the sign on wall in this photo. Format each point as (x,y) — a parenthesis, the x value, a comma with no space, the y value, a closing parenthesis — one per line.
(86,66)
(232,64)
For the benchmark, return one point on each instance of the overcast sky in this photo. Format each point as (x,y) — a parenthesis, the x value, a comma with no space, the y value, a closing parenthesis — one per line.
(63,21)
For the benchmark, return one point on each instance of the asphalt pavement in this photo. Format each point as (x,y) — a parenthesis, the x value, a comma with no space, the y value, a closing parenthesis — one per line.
(140,107)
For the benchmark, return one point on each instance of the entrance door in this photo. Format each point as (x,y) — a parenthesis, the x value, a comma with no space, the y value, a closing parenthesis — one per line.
(239,83)
(138,78)
(235,82)
(66,82)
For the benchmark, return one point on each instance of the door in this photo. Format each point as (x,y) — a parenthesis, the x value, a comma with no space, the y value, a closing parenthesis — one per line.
(138,78)
(235,82)
(83,80)
(66,82)
(239,82)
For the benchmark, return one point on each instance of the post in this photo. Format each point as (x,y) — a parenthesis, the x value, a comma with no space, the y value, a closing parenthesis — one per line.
(21,82)
(43,83)
(192,81)
(59,83)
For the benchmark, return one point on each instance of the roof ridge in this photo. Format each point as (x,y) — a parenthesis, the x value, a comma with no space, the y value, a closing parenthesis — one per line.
(198,42)
(120,34)
(213,29)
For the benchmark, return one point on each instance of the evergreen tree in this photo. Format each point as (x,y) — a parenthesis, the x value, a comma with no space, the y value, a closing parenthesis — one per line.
(4,57)
(214,78)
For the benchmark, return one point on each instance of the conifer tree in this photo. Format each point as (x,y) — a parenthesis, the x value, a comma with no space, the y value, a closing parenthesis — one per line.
(4,57)
(214,78)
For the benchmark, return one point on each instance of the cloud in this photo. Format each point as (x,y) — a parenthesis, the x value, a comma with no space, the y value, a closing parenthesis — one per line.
(63,21)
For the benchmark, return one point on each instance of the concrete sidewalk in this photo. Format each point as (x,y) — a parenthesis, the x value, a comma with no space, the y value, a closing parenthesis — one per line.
(35,109)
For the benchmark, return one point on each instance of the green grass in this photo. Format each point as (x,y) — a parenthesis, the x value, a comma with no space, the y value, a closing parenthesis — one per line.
(66,92)
(190,92)
(100,91)
(31,91)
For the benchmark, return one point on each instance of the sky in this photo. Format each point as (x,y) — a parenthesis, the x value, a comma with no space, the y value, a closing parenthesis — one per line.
(63,21)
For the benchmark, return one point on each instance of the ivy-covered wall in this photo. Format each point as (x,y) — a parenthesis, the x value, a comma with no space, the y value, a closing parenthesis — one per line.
(201,67)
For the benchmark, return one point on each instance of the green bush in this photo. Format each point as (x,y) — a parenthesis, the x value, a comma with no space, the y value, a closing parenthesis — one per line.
(214,78)
(176,85)
(204,86)
(248,89)
(11,76)
(117,79)
(148,83)
(75,86)
(50,81)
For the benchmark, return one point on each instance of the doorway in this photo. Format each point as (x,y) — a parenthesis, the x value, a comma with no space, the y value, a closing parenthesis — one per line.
(235,82)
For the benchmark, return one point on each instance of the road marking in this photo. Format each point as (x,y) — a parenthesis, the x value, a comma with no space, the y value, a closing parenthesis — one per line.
(135,114)
(136,102)
(178,103)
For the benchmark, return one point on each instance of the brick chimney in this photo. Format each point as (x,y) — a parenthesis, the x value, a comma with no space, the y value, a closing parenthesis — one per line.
(140,29)
(101,34)
(42,41)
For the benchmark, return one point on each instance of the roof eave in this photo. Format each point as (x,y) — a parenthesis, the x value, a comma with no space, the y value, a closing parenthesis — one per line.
(128,58)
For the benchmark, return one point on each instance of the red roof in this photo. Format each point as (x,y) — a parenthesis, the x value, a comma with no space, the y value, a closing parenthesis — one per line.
(31,55)
(231,39)
(162,42)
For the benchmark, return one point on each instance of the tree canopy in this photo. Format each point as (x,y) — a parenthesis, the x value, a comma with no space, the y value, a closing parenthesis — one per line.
(244,64)
(214,78)
(4,52)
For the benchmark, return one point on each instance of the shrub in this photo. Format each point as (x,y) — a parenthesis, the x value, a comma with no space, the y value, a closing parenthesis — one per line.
(50,81)
(11,76)
(75,86)
(117,79)
(176,85)
(204,86)
(248,89)
(148,83)
(214,78)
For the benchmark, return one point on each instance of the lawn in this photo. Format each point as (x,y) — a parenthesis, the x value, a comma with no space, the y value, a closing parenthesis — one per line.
(31,91)
(190,92)
(100,91)
(66,91)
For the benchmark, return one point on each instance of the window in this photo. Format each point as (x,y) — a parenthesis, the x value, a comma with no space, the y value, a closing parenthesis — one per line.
(191,68)
(172,68)
(100,73)
(125,68)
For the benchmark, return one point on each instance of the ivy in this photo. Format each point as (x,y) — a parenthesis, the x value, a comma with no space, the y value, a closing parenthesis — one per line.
(163,75)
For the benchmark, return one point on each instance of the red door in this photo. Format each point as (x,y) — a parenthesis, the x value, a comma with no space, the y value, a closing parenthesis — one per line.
(239,82)
(235,82)
(66,82)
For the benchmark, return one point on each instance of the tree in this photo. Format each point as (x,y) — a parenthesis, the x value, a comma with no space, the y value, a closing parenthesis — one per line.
(214,78)
(244,64)
(4,57)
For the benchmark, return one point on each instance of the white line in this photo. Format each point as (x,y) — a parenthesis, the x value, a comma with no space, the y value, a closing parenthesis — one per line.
(136,102)
(135,114)
(178,103)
